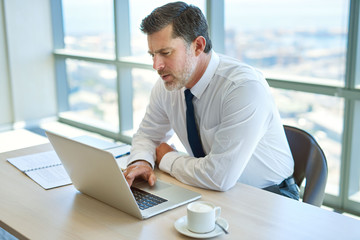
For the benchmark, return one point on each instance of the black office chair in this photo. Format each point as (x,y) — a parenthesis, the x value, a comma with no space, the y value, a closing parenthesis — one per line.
(310,163)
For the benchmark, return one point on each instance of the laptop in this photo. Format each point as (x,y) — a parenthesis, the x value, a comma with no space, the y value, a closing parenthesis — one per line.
(96,173)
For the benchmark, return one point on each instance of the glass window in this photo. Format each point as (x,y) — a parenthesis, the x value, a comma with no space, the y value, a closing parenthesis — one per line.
(322,117)
(92,94)
(302,40)
(89,26)
(143,81)
(357,68)
(354,176)
(140,9)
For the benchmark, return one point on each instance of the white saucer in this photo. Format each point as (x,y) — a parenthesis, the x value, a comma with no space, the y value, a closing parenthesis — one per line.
(181,227)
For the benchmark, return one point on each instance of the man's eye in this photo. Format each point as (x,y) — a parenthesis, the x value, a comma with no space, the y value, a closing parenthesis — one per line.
(166,53)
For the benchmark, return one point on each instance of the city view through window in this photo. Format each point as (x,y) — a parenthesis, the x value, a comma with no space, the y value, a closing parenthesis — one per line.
(297,41)
(288,40)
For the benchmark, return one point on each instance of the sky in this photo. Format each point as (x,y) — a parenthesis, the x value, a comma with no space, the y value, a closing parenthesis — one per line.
(97,16)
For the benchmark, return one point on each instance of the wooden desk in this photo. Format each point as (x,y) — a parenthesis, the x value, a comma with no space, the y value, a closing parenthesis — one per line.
(29,212)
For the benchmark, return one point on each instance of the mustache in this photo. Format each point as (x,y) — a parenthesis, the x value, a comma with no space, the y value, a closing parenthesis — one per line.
(162,72)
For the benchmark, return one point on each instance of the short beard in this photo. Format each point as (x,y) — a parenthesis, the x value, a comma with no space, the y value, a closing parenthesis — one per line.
(184,77)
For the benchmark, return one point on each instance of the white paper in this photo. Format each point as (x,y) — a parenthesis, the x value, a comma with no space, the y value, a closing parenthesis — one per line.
(122,162)
(120,150)
(47,170)
(44,168)
(50,177)
(35,161)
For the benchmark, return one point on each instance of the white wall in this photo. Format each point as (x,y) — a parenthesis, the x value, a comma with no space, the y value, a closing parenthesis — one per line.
(30,62)
(5,96)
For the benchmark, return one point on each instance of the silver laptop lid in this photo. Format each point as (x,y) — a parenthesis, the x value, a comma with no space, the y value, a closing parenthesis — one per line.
(96,173)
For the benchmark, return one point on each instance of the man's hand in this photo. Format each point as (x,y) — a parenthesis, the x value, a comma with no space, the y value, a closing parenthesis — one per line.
(161,150)
(141,169)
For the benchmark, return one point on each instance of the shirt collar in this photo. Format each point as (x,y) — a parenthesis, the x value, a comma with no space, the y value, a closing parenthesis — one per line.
(204,81)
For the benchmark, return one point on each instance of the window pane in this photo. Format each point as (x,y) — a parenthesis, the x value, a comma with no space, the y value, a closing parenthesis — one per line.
(322,117)
(140,9)
(354,178)
(92,94)
(302,40)
(143,82)
(89,26)
(357,68)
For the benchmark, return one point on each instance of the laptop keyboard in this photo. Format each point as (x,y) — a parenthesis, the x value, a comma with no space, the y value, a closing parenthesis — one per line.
(145,199)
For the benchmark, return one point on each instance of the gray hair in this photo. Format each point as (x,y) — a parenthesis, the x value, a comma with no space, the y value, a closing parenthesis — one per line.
(187,20)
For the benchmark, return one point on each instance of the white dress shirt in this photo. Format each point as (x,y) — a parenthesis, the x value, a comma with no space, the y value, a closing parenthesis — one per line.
(240,128)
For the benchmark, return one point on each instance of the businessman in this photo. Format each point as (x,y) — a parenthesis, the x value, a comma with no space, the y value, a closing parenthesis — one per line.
(221,110)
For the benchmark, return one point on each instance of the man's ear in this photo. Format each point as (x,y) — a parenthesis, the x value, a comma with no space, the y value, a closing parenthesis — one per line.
(200,44)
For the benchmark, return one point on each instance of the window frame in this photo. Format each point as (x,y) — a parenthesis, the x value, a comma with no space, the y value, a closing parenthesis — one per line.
(215,16)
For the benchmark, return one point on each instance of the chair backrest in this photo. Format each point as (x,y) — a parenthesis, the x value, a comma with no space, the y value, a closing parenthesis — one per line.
(310,163)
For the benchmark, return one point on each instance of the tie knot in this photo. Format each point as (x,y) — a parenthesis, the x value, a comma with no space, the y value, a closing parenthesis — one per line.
(188,95)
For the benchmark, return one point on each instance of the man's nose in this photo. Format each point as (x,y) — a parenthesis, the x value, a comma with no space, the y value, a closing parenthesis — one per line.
(158,63)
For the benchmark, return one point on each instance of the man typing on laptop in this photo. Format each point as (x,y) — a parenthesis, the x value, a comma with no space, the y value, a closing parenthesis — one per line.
(221,110)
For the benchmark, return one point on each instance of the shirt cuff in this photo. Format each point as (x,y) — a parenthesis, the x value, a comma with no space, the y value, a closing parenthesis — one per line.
(167,161)
(141,156)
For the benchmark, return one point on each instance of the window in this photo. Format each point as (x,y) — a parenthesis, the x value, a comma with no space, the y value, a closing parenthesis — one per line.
(308,50)
(143,81)
(354,169)
(103,69)
(298,40)
(139,10)
(89,27)
(92,93)
(322,117)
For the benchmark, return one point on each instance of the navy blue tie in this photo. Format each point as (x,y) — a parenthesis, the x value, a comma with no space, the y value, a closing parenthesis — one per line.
(192,130)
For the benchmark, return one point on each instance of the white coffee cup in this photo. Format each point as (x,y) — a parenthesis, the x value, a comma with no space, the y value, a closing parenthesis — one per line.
(201,216)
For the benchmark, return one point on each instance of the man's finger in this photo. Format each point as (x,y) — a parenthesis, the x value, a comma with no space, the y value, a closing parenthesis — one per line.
(148,175)
(128,177)
(140,170)
(129,181)
(152,179)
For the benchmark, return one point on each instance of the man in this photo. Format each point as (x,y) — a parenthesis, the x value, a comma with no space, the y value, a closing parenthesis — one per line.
(237,134)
